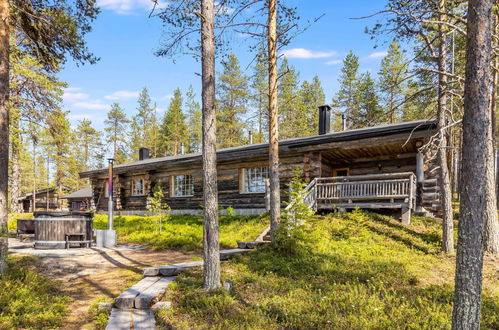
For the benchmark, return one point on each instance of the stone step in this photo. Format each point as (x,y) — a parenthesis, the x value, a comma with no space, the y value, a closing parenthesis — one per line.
(153,293)
(428,182)
(431,188)
(250,244)
(171,270)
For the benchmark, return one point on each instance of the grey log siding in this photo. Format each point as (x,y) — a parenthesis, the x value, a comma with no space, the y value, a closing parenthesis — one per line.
(228,184)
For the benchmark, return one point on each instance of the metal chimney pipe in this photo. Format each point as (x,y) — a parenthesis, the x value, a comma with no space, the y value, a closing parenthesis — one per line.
(343,121)
(250,136)
(324,119)
(182,148)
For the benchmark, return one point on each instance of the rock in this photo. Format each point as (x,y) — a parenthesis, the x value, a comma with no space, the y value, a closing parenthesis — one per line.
(161,305)
(107,306)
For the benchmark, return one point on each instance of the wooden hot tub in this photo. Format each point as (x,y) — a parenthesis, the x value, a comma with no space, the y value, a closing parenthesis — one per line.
(53,230)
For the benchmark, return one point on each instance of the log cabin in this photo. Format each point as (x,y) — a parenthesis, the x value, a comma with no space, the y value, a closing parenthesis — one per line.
(371,168)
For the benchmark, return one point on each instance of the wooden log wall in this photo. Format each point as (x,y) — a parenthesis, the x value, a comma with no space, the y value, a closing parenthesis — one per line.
(312,163)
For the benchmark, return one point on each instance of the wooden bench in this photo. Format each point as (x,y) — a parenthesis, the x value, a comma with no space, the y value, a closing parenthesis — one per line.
(80,239)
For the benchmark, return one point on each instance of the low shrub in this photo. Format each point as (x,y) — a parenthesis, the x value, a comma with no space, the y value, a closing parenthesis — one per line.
(360,271)
(12,219)
(29,300)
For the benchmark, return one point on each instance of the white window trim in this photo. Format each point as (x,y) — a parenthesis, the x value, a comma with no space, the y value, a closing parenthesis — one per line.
(133,187)
(172,186)
(242,180)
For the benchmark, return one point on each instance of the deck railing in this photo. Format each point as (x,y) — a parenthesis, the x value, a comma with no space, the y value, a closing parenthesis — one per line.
(391,187)
(395,188)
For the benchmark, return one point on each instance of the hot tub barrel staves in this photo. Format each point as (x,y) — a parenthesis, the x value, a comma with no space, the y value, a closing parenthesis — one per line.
(55,230)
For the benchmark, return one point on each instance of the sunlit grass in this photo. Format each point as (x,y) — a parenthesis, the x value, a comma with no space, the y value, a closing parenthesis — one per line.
(183,232)
(355,271)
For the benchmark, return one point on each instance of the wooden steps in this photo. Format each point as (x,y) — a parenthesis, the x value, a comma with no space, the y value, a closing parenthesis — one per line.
(171,270)
(251,244)
(144,293)
(121,319)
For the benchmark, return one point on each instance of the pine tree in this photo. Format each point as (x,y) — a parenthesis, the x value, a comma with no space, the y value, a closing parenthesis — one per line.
(33,94)
(173,130)
(369,111)
(392,81)
(58,141)
(232,101)
(345,98)
(116,132)
(259,97)
(89,153)
(311,97)
(292,119)
(142,134)
(194,124)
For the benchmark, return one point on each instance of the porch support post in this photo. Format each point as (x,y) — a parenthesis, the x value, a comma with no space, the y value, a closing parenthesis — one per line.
(419,181)
(406,214)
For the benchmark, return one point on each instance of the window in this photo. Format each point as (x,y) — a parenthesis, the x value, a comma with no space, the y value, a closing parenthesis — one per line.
(183,185)
(254,179)
(340,172)
(138,187)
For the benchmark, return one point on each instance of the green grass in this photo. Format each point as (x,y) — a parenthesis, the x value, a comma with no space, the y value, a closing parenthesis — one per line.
(355,271)
(29,300)
(183,232)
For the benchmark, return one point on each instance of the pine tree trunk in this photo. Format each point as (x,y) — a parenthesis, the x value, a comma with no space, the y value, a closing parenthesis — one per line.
(211,248)
(491,230)
(275,194)
(477,150)
(4,131)
(444,175)
(15,177)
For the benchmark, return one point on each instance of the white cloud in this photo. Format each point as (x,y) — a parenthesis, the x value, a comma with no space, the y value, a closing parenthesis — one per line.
(376,55)
(74,96)
(306,53)
(91,105)
(333,62)
(127,7)
(122,95)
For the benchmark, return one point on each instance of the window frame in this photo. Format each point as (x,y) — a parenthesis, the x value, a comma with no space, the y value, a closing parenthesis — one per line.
(173,186)
(133,192)
(336,170)
(243,179)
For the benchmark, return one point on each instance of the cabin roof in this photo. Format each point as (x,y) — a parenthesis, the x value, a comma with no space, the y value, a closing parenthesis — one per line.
(41,191)
(284,145)
(82,193)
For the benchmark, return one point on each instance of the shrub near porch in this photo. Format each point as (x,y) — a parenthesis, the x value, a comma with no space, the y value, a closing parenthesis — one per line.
(357,271)
(183,232)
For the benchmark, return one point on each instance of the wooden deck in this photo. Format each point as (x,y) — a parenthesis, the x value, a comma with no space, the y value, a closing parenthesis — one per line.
(376,191)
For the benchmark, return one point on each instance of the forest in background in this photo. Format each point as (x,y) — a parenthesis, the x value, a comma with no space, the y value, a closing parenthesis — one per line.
(47,150)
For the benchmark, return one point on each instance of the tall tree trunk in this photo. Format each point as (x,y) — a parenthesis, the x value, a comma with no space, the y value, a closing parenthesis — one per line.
(4,131)
(275,192)
(491,230)
(475,176)
(210,190)
(444,175)
(15,176)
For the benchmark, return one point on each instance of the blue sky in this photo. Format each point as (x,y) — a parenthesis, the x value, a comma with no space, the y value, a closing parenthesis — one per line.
(125,38)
